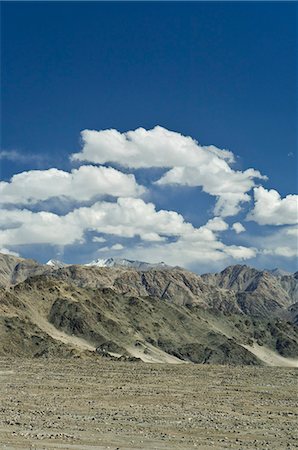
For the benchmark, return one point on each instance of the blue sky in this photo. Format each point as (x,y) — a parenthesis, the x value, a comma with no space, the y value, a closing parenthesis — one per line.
(224,74)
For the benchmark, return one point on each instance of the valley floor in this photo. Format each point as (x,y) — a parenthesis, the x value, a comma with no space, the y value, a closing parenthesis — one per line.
(87,404)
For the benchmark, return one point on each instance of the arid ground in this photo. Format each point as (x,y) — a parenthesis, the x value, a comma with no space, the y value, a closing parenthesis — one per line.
(88,404)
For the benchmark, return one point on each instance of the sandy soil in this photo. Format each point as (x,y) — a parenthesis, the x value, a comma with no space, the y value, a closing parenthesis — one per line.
(265,354)
(56,334)
(87,404)
(270,357)
(150,354)
(59,335)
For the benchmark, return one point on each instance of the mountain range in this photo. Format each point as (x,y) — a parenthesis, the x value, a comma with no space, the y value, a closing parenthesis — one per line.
(125,309)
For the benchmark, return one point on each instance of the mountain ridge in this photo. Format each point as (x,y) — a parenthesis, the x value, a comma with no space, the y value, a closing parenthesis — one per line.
(157,315)
(123,262)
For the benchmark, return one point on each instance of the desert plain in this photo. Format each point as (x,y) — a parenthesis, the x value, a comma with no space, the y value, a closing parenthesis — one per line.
(97,403)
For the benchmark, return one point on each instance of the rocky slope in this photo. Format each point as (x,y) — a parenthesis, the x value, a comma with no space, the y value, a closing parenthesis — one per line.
(14,270)
(239,316)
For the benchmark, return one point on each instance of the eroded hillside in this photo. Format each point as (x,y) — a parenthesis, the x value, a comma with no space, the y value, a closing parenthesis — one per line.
(240,316)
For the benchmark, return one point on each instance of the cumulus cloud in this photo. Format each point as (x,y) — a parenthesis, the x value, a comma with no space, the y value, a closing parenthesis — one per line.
(98,239)
(287,252)
(292,232)
(202,247)
(217,224)
(283,242)
(158,147)
(104,249)
(160,234)
(218,179)
(129,218)
(271,209)
(18,227)
(115,247)
(238,227)
(190,163)
(80,184)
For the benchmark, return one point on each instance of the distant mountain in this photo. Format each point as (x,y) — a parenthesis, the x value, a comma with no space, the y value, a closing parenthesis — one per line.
(120,307)
(56,264)
(270,290)
(115,262)
(279,272)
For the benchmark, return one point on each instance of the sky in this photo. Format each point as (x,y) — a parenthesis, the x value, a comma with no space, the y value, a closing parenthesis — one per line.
(151,131)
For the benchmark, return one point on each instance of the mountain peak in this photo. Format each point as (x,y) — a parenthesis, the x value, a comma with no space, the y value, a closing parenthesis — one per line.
(55,263)
(118,262)
(277,272)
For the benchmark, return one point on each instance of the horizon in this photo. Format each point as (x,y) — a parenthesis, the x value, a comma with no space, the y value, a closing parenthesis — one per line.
(87,263)
(150,131)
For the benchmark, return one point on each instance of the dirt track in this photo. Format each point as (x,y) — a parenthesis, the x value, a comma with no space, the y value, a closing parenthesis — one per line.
(86,405)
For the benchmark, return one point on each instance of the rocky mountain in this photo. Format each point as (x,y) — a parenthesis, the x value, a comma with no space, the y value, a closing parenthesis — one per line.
(56,264)
(258,292)
(277,272)
(14,270)
(238,316)
(117,262)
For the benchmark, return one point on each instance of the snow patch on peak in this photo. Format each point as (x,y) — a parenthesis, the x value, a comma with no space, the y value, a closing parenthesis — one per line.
(55,263)
(117,262)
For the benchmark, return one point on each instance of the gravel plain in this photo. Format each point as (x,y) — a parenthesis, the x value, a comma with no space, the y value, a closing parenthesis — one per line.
(88,404)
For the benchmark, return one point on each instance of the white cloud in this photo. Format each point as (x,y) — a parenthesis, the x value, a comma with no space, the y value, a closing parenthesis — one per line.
(292,232)
(18,227)
(221,153)
(240,252)
(104,249)
(218,179)
(128,217)
(283,242)
(271,209)
(10,155)
(80,184)
(164,235)
(287,252)
(115,247)
(6,251)
(190,163)
(22,157)
(98,239)
(201,248)
(158,147)
(238,227)
(217,224)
